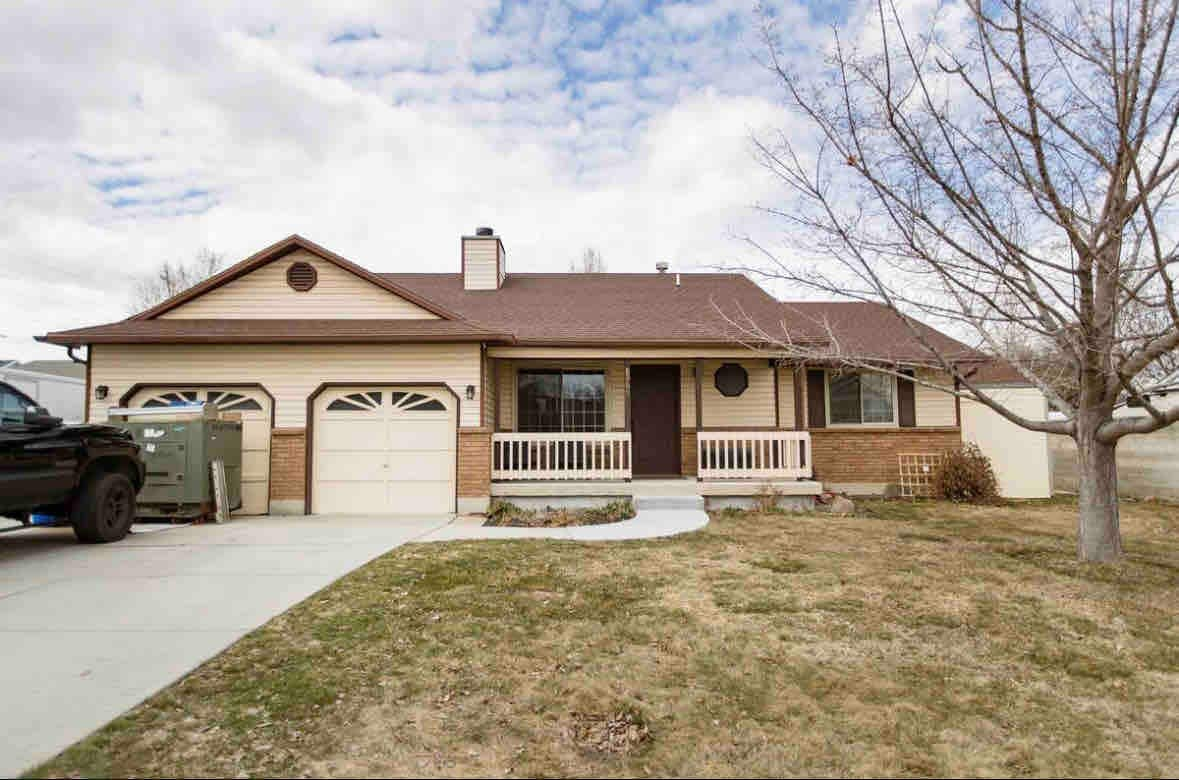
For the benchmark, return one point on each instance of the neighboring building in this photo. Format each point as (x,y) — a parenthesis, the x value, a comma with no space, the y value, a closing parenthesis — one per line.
(1162,395)
(58,385)
(366,392)
(1021,458)
(1148,464)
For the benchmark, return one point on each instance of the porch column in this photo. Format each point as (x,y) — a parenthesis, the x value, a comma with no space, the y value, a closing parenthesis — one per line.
(777,393)
(626,393)
(799,398)
(699,408)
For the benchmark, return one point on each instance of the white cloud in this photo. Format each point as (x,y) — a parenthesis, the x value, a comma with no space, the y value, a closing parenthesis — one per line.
(135,134)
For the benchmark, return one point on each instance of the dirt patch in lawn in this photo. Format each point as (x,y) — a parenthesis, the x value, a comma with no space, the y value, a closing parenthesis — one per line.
(913,639)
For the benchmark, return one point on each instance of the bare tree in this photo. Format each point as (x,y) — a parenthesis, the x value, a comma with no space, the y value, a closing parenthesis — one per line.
(1007,172)
(171,278)
(591,262)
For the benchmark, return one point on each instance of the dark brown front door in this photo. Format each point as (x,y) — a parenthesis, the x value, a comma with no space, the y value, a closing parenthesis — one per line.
(655,420)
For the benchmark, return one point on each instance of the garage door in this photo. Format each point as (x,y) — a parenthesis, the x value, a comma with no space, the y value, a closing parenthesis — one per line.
(384,450)
(254,407)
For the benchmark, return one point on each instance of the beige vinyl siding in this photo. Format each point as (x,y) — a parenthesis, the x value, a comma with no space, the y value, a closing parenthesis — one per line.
(507,395)
(933,407)
(264,294)
(785,396)
(291,372)
(753,408)
(480,263)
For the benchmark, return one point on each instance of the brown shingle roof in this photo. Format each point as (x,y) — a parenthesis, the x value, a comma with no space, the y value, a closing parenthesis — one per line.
(177,331)
(610,308)
(997,372)
(871,331)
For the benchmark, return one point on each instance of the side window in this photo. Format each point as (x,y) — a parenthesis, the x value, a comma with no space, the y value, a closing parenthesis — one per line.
(12,406)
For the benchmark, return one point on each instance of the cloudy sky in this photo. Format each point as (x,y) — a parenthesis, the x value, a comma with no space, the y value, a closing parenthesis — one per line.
(137,133)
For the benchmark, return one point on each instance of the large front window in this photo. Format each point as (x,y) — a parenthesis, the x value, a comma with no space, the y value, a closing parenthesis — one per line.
(855,399)
(568,401)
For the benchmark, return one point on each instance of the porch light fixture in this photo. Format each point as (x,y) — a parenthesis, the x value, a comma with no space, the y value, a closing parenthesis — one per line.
(731,379)
(470,392)
(100,392)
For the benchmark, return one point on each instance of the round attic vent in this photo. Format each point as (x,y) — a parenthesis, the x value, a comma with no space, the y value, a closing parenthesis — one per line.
(301,276)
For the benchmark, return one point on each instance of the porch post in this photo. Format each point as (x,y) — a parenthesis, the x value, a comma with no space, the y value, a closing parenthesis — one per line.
(699,409)
(777,392)
(626,392)
(799,402)
(496,391)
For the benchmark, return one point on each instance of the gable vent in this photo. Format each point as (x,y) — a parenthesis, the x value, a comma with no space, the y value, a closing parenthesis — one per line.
(301,276)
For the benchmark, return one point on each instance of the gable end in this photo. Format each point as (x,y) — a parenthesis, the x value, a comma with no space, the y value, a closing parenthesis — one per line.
(312,252)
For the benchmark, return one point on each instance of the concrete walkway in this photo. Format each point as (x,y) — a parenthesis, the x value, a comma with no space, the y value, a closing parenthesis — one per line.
(646,524)
(89,631)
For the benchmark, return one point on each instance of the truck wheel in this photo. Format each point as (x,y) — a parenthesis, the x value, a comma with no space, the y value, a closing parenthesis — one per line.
(104,508)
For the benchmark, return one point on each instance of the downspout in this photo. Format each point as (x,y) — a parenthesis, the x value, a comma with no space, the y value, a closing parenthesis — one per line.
(86,400)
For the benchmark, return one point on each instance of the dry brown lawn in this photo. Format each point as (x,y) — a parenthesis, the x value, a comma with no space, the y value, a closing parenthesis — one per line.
(910,640)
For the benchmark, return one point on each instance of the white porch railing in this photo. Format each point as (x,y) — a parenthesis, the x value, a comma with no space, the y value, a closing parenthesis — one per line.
(753,454)
(560,456)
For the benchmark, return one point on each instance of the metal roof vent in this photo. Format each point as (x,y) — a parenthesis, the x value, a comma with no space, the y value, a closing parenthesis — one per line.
(484,231)
(662,266)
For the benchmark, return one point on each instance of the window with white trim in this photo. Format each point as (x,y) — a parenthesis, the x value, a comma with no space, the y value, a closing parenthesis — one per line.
(861,399)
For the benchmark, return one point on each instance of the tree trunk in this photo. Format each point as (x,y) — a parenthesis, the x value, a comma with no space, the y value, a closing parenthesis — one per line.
(1099,534)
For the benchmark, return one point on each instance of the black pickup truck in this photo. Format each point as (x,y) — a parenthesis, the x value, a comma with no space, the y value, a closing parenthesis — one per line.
(89,474)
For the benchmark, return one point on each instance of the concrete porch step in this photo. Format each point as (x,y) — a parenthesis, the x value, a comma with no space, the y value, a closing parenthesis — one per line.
(668,502)
(682,486)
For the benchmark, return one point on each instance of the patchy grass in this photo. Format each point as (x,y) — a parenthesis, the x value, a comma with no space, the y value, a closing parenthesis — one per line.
(914,639)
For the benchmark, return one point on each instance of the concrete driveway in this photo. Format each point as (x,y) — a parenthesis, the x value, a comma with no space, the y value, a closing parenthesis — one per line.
(89,631)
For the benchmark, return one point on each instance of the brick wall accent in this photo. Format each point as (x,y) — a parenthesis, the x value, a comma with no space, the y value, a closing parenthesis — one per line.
(288,463)
(868,455)
(474,462)
(688,452)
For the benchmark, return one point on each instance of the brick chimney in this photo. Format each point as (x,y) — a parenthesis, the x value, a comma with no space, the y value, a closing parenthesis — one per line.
(484,260)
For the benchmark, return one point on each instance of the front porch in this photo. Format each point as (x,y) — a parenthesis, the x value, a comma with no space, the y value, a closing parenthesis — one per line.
(601,457)
(645,427)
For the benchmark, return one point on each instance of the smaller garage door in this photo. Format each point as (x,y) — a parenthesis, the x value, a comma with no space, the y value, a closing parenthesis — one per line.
(384,450)
(253,406)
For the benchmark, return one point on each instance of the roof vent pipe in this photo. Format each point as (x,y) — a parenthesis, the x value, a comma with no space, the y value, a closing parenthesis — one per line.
(677,280)
(484,231)
(662,266)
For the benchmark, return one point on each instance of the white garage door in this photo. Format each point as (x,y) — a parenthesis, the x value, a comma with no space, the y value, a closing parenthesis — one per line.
(384,450)
(254,407)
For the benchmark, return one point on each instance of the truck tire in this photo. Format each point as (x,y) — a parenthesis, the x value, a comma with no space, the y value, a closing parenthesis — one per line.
(104,508)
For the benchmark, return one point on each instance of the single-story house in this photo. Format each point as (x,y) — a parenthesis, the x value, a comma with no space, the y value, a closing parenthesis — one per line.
(435,392)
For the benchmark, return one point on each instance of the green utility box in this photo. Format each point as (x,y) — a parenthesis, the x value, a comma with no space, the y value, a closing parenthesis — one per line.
(178,445)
